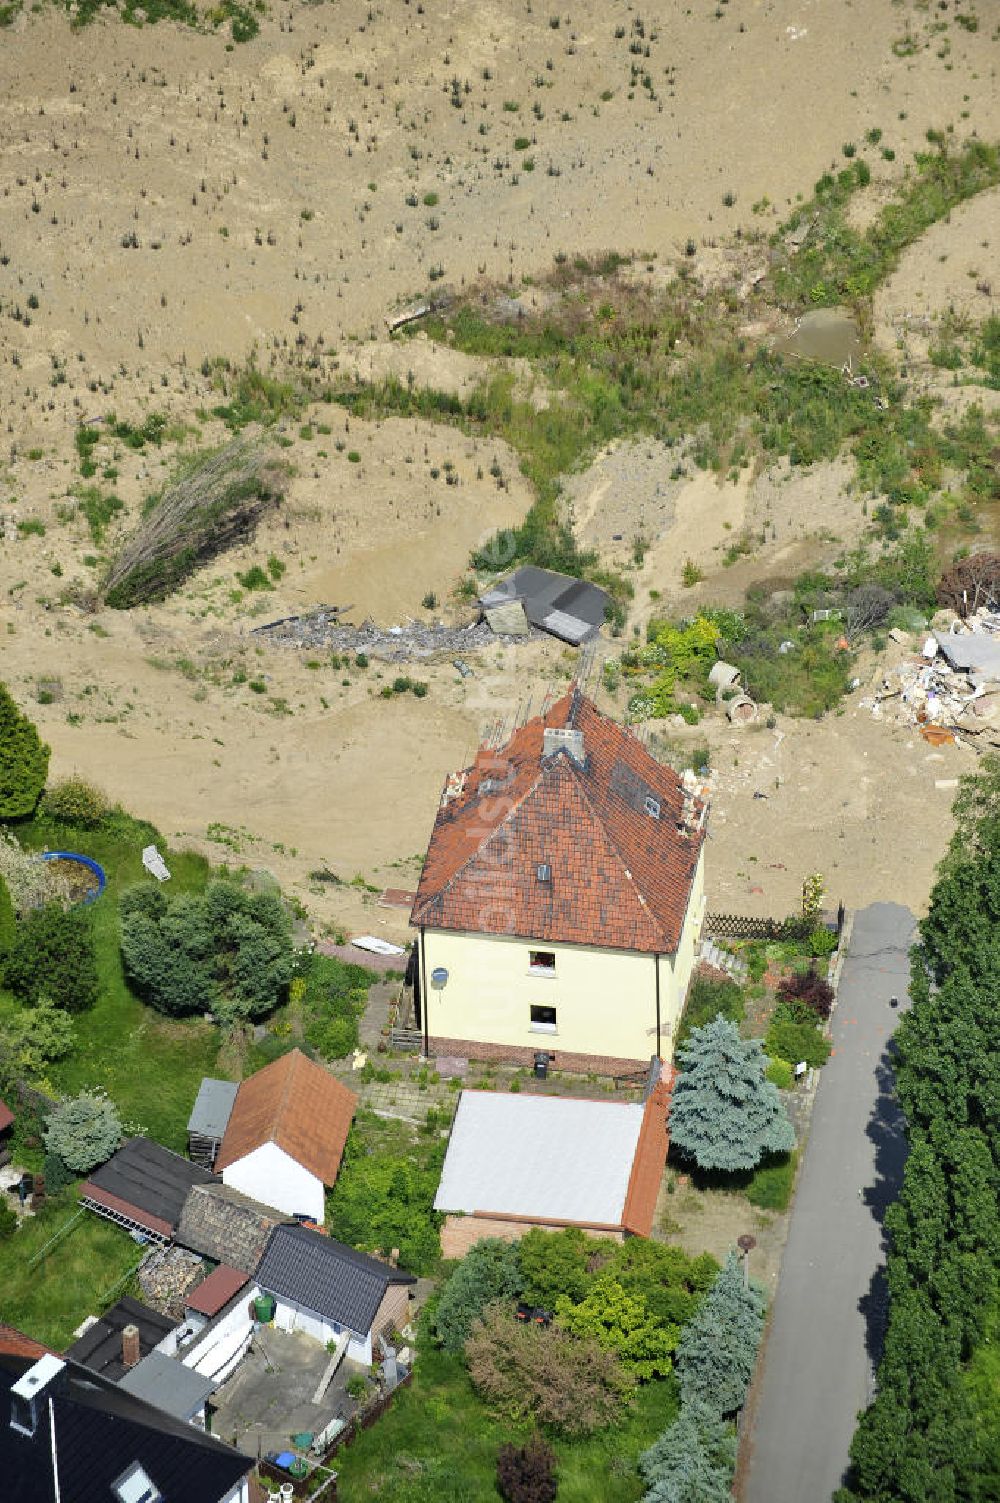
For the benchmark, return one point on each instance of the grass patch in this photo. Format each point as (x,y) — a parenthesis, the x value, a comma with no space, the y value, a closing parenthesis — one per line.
(438,1444)
(52,1299)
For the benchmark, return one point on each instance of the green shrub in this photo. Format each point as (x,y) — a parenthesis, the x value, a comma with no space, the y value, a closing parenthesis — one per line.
(489,1272)
(83,1131)
(24,761)
(707,999)
(795,1035)
(254,578)
(8,924)
(771,1185)
(383,1201)
(74,801)
(780,1073)
(225,949)
(333,1038)
(8,1220)
(53,956)
(58,1175)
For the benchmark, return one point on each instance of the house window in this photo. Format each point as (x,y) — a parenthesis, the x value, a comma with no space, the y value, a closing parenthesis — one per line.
(542,962)
(652,807)
(22,1414)
(543,1020)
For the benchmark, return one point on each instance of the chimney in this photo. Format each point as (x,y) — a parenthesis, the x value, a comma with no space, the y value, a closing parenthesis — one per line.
(557,738)
(130,1345)
(26,1393)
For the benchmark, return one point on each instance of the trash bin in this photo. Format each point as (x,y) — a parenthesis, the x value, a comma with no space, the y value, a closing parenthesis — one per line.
(541,1065)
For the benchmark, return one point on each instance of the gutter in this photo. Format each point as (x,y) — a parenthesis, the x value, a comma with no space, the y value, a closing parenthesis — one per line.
(423,991)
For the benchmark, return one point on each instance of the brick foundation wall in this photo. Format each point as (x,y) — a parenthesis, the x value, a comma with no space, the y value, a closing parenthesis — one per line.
(597,1064)
(460,1233)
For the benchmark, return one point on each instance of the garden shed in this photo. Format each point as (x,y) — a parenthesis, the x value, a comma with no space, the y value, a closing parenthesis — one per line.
(143,1188)
(209,1119)
(286,1135)
(568,608)
(332,1292)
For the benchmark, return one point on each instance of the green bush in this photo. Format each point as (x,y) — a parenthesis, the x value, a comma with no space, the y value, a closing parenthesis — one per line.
(382,1201)
(8,924)
(770,1188)
(707,998)
(58,1175)
(225,949)
(489,1272)
(780,1073)
(795,1036)
(74,801)
(333,1038)
(334,995)
(24,761)
(83,1131)
(8,1220)
(53,956)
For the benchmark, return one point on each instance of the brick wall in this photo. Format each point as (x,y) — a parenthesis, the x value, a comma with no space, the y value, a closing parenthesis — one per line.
(597,1064)
(459,1233)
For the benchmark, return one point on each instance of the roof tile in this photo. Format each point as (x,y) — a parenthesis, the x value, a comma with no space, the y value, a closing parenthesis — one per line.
(297,1105)
(621,876)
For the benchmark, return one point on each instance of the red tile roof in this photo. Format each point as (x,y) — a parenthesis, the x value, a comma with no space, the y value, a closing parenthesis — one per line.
(14,1343)
(620,878)
(110,1202)
(217,1290)
(649,1162)
(297,1105)
(6,1116)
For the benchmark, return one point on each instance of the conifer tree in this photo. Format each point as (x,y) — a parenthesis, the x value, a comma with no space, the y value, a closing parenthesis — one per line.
(24,761)
(692,1462)
(718,1349)
(724,1113)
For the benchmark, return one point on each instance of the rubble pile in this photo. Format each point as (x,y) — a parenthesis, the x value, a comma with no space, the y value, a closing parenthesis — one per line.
(951,688)
(167,1276)
(323,629)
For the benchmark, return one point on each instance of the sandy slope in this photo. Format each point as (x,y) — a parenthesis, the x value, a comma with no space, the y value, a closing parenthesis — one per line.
(268,188)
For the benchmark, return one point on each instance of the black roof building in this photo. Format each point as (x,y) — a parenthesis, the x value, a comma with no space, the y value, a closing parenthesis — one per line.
(143,1187)
(100,1346)
(68,1434)
(571,609)
(342,1285)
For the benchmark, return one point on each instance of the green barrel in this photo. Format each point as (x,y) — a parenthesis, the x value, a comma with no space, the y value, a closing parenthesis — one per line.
(264,1304)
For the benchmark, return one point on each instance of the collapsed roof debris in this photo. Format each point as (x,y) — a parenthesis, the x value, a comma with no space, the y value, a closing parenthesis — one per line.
(951,689)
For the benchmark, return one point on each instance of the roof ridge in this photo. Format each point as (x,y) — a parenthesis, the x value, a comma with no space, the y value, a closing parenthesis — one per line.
(279,1115)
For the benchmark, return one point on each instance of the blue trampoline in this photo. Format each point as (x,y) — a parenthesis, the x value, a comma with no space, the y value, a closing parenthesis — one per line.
(89,863)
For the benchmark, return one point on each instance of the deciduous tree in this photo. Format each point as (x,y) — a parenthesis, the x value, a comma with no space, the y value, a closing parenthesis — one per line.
(620,1322)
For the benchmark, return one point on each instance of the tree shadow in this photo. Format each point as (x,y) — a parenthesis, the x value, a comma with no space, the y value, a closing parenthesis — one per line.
(887,1130)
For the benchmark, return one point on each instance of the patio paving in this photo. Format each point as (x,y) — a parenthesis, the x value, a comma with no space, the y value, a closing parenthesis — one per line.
(269,1397)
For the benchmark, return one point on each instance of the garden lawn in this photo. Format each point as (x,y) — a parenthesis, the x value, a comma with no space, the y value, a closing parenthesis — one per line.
(438,1444)
(149,1065)
(76,1279)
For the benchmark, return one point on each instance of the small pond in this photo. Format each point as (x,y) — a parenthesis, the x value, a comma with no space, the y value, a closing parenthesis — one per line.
(829,335)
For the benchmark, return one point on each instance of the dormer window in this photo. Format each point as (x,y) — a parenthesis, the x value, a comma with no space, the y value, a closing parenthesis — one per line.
(22,1414)
(652,807)
(26,1393)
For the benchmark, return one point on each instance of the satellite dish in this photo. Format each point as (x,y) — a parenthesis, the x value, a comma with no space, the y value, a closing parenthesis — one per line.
(439,977)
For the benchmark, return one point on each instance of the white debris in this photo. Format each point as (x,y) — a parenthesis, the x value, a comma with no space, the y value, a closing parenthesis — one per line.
(155,864)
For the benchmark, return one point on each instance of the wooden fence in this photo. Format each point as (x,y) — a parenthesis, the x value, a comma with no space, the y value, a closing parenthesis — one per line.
(743,926)
(363,1420)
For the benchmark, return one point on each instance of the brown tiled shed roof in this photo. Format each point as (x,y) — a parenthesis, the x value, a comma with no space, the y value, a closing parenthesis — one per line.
(649,1162)
(297,1105)
(217,1290)
(620,877)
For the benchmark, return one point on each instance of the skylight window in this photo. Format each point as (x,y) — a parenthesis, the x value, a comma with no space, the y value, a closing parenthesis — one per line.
(652,807)
(135,1486)
(544,872)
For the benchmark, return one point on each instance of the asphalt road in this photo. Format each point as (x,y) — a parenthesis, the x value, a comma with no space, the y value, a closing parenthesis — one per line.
(828,1313)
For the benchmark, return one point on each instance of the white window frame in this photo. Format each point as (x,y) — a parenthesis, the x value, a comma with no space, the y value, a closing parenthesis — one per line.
(534,969)
(652,806)
(534,1027)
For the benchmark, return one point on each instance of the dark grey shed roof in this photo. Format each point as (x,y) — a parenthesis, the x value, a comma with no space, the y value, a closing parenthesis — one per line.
(167,1383)
(337,1282)
(100,1346)
(566,607)
(148,1176)
(212,1107)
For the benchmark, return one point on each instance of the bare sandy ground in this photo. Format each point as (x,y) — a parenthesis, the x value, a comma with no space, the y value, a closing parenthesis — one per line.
(166,202)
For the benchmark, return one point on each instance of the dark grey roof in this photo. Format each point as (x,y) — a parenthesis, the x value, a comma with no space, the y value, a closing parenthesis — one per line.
(221,1223)
(324,1276)
(100,1346)
(100,1431)
(167,1383)
(568,608)
(146,1175)
(212,1107)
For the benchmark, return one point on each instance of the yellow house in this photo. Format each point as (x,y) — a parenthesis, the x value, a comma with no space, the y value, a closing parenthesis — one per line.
(561,899)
